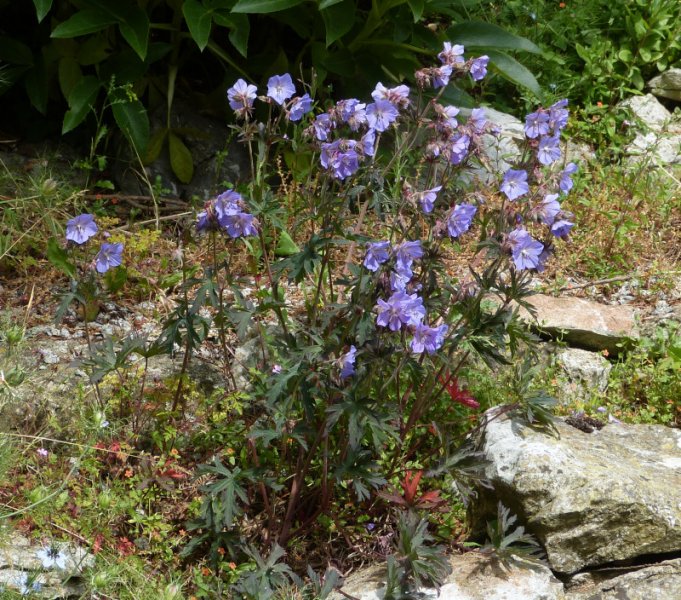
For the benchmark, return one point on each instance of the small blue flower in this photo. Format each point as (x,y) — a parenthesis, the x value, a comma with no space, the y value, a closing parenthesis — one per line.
(405,255)
(400,309)
(397,96)
(280,88)
(241,96)
(565,184)
(451,55)
(381,114)
(479,67)
(536,124)
(348,363)
(299,107)
(377,253)
(50,556)
(322,126)
(460,219)
(558,115)
(515,184)
(441,76)
(524,249)
(81,228)
(428,339)
(561,228)
(478,118)
(547,210)
(548,151)
(109,256)
(458,149)
(427,199)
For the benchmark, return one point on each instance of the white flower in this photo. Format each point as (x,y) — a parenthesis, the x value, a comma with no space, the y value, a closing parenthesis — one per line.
(51,556)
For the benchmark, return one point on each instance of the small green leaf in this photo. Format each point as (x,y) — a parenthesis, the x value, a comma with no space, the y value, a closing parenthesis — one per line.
(416,7)
(69,74)
(478,34)
(511,69)
(338,20)
(264,6)
(81,100)
(42,7)
(116,278)
(36,85)
(286,245)
(326,3)
(131,118)
(60,258)
(15,52)
(83,22)
(135,30)
(180,158)
(239,30)
(155,146)
(199,20)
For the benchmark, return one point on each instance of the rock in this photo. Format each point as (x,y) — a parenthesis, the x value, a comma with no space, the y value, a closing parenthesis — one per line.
(661,581)
(587,372)
(474,577)
(215,158)
(649,110)
(584,323)
(19,564)
(667,85)
(660,140)
(589,498)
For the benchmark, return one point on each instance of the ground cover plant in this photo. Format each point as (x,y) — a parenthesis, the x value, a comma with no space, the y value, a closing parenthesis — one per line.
(346,388)
(342,295)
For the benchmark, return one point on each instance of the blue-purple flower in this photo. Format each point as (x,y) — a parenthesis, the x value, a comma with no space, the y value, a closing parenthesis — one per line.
(565,183)
(322,126)
(299,107)
(478,118)
(397,96)
(239,224)
(405,255)
(399,281)
(561,228)
(377,253)
(428,339)
(368,143)
(458,148)
(547,210)
(515,184)
(451,55)
(441,76)
(347,362)
(340,157)
(460,219)
(109,256)
(526,251)
(400,309)
(427,199)
(352,112)
(548,151)
(280,88)
(381,114)
(536,124)
(558,115)
(81,228)
(241,96)
(479,67)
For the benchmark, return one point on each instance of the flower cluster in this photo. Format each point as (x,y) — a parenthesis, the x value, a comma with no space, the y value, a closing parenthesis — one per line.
(542,128)
(83,227)
(280,90)
(227,213)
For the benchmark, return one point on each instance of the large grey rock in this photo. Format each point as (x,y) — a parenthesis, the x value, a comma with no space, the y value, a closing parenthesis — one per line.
(590,498)
(584,323)
(586,373)
(474,577)
(661,581)
(667,85)
(658,142)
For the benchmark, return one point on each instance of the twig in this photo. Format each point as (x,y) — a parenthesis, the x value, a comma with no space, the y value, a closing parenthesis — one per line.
(598,282)
(348,596)
(176,217)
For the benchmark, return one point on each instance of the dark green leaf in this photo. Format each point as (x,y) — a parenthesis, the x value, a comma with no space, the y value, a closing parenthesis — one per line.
(60,258)
(81,100)
(264,6)
(42,7)
(326,3)
(239,29)
(83,22)
(36,85)
(15,52)
(135,30)
(511,69)
(476,34)
(180,158)
(199,20)
(69,74)
(131,117)
(155,146)
(416,7)
(338,20)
